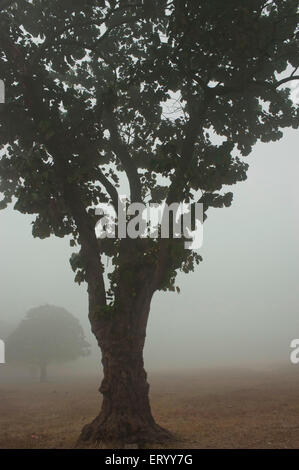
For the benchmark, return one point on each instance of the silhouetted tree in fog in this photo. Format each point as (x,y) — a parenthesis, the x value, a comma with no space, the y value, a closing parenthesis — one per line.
(48,334)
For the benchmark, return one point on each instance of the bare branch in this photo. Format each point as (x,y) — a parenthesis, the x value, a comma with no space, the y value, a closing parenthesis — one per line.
(286,80)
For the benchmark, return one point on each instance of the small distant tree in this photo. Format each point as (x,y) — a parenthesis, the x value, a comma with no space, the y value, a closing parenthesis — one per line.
(48,334)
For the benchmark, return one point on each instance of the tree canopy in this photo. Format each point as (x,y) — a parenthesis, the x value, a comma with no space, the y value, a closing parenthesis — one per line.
(88,84)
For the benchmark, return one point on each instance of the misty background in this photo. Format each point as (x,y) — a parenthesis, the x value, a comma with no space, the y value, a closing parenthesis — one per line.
(238,308)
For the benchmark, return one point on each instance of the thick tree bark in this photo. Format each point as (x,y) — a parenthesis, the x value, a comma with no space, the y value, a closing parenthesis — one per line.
(126,414)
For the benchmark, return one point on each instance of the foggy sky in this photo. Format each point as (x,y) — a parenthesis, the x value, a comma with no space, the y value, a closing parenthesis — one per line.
(239,307)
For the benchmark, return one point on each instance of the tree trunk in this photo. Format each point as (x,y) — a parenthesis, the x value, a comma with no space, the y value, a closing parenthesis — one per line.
(126,414)
(43,373)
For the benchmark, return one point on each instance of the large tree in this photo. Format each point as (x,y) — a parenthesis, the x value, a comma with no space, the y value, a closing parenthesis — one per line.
(88,86)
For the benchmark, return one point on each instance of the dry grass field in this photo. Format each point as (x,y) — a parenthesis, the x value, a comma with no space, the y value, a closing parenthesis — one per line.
(216,409)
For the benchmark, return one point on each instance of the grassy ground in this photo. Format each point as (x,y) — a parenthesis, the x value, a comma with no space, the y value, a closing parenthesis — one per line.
(218,409)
